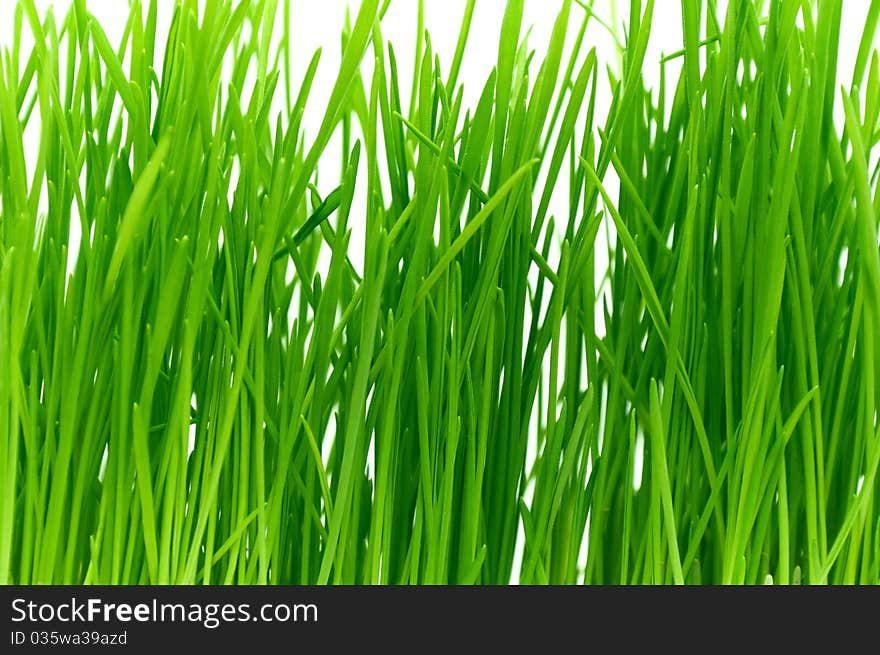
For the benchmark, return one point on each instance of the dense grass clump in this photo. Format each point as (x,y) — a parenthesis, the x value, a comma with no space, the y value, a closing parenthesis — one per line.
(674,380)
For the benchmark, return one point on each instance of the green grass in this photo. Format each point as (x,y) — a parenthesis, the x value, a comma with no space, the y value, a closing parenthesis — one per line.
(229,388)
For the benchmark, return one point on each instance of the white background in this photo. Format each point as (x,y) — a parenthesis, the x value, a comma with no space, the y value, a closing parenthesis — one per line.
(319,23)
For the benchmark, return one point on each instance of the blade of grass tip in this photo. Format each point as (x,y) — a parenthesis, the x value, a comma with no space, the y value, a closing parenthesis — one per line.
(114,67)
(548,78)
(354,51)
(867,43)
(417,60)
(330,204)
(463,33)
(452,164)
(471,229)
(566,134)
(136,212)
(507,47)
(631,86)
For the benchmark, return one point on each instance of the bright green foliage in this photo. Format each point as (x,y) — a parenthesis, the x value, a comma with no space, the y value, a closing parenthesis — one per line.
(204,401)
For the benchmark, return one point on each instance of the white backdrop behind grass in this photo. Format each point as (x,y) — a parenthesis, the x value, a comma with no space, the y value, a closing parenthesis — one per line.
(318,24)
